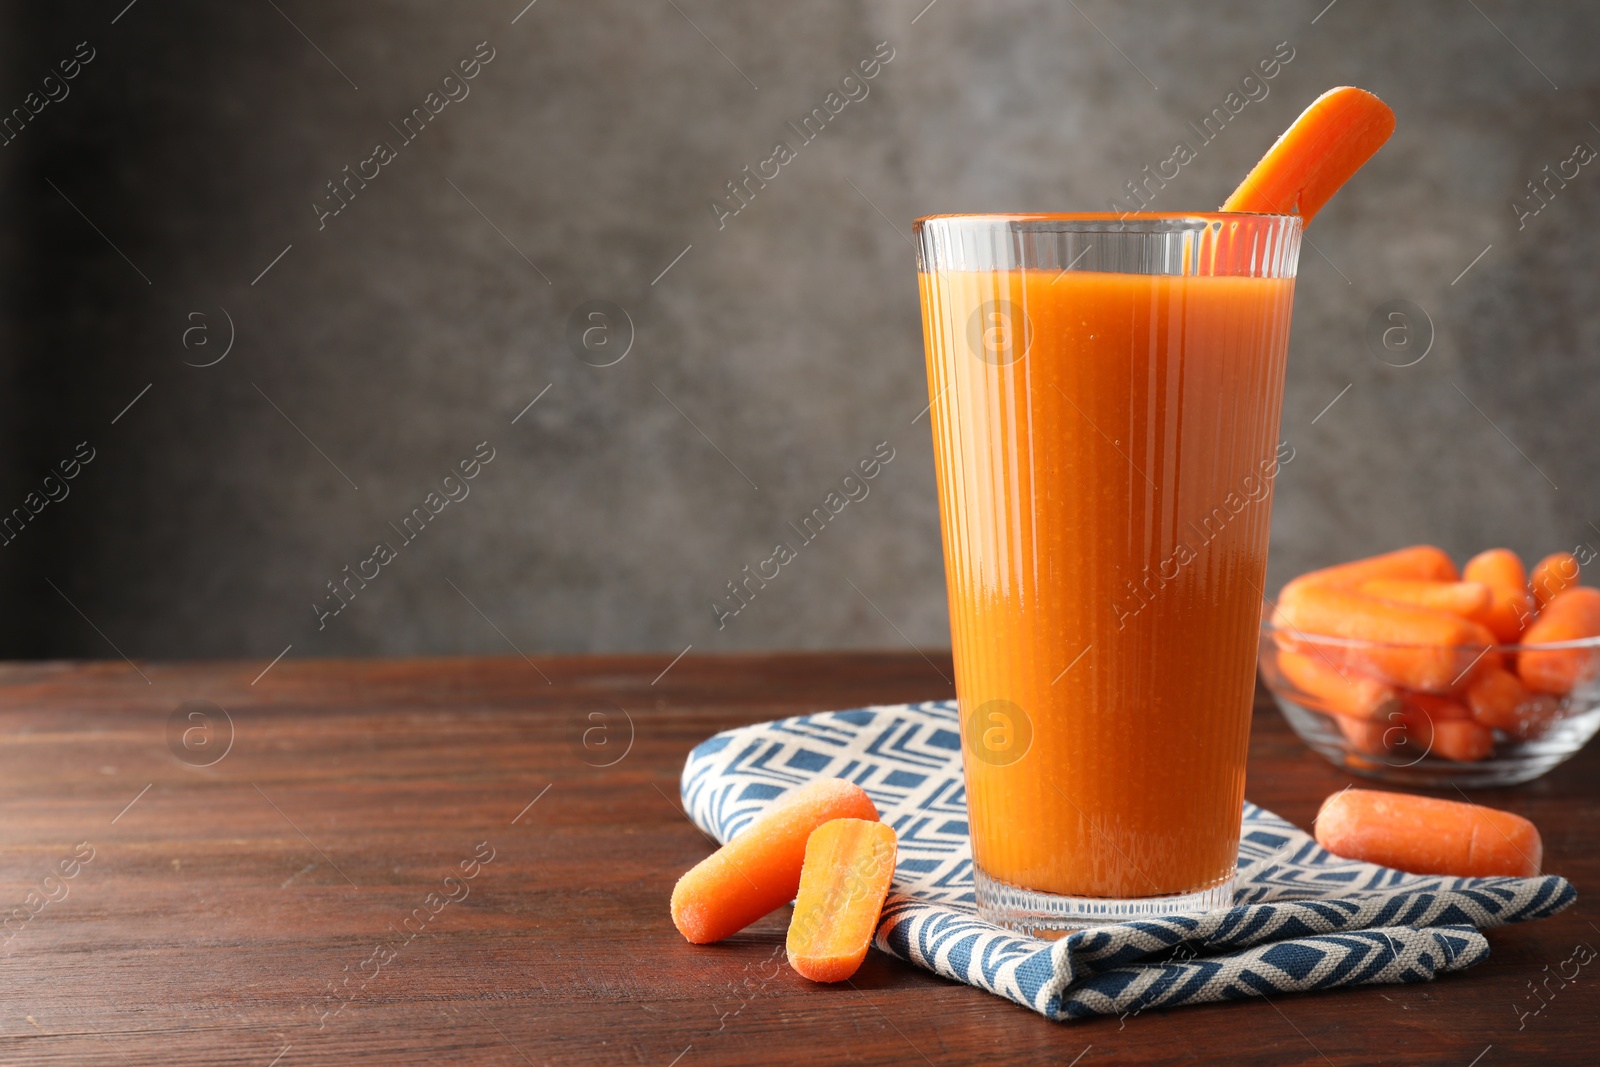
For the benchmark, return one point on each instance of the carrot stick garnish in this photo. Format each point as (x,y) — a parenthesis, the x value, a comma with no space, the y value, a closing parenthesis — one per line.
(1316,155)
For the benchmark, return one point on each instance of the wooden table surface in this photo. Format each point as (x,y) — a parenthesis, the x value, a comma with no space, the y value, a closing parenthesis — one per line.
(428,861)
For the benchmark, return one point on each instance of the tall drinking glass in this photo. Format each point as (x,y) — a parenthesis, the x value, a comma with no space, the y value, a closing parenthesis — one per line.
(1105,397)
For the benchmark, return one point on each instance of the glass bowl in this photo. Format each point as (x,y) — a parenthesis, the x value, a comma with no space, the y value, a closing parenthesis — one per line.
(1346,699)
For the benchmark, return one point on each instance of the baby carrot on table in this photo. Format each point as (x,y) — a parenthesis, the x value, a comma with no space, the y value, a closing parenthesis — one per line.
(759,870)
(1427,836)
(1573,615)
(849,864)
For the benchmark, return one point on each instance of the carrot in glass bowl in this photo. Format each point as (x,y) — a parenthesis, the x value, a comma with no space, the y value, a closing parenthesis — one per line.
(1502,571)
(1554,574)
(1574,615)
(1408,646)
(1484,712)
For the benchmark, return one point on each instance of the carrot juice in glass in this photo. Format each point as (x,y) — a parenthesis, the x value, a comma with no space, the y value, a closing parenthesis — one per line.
(1105,398)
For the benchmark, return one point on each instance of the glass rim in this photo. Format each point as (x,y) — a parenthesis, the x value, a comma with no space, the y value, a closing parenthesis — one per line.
(1102,216)
(1577,644)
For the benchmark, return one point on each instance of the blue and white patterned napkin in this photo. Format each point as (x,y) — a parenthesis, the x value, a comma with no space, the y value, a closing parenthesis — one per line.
(1303,919)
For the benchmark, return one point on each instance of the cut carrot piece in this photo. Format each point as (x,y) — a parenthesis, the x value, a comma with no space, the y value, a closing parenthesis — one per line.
(849,864)
(1317,154)
(1428,836)
(1470,600)
(1572,616)
(1343,692)
(1420,563)
(1498,699)
(1555,573)
(1512,607)
(759,870)
(1437,650)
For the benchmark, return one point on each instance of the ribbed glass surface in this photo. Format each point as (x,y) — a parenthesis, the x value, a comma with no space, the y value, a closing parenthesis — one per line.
(1105,399)
(1256,246)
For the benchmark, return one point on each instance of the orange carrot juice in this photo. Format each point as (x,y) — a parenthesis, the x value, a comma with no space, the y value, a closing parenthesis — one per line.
(1105,443)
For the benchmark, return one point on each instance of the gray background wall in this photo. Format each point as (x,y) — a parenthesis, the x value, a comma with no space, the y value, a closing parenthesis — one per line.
(417,323)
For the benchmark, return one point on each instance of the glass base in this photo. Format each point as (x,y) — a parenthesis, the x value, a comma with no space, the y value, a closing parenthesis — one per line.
(1050,916)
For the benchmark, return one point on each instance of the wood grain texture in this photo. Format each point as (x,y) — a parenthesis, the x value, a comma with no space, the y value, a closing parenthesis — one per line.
(221,908)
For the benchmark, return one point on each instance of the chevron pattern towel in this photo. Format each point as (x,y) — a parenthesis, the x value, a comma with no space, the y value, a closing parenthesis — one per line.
(1303,918)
